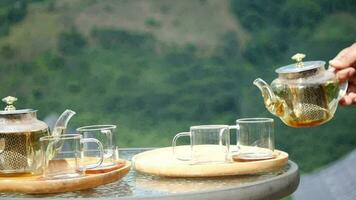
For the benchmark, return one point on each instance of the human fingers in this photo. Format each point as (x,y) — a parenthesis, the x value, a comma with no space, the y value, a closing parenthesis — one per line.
(346,58)
(350,97)
(345,74)
(351,88)
(352,80)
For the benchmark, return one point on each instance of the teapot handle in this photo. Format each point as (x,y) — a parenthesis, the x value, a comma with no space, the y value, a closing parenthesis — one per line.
(343,89)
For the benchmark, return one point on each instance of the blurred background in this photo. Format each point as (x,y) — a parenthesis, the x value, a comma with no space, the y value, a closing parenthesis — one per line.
(156,67)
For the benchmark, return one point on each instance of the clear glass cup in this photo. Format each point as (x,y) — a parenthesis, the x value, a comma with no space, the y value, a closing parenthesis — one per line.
(208,144)
(62,156)
(106,134)
(255,139)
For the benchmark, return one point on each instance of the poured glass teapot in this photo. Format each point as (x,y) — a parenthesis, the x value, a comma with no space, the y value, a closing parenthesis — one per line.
(305,94)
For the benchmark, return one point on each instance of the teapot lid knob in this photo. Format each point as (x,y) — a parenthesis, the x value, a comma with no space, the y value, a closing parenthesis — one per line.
(9,100)
(299,58)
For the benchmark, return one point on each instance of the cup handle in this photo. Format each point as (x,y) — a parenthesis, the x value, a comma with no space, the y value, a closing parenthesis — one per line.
(174,144)
(101,151)
(237,128)
(108,152)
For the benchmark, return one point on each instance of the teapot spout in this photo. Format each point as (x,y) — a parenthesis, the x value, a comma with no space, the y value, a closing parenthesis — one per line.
(62,121)
(272,102)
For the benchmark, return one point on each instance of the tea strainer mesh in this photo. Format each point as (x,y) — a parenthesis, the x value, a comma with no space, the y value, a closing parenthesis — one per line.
(310,104)
(13,154)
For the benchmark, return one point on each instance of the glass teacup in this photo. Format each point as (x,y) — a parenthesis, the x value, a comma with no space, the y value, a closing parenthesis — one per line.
(255,139)
(208,144)
(107,136)
(62,156)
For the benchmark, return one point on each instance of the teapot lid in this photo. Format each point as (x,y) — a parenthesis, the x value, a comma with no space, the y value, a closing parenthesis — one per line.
(10,108)
(300,66)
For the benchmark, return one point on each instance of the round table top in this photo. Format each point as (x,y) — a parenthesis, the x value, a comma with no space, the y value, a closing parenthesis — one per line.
(273,185)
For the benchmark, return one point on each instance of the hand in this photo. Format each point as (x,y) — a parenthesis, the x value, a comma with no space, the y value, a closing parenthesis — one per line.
(345,64)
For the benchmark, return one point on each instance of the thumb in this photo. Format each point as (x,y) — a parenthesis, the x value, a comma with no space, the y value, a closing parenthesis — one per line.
(346,58)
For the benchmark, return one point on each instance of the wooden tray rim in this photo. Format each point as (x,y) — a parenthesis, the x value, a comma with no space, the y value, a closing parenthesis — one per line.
(32,185)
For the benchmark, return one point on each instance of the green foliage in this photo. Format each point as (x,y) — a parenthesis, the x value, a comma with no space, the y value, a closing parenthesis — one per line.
(71,43)
(299,13)
(334,26)
(281,28)
(11,11)
(113,39)
(7,52)
(152,22)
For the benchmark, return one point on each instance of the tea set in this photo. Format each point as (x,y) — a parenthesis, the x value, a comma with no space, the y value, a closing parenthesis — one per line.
(305,94)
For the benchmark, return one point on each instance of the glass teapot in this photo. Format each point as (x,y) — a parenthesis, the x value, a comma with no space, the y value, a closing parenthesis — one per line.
(20,133)
(305,94)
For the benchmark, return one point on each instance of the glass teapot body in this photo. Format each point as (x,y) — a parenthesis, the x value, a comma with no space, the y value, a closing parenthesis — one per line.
(303,96)
(306,99)
(20,133)
(19,143)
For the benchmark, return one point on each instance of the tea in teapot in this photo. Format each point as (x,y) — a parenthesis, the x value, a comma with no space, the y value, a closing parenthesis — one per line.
(304,94)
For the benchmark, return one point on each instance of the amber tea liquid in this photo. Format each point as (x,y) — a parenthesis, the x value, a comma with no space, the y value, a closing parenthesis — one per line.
(308,105)
(20,152)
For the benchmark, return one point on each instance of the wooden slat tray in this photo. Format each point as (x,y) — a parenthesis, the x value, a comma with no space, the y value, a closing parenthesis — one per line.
(162,162)
(37,185)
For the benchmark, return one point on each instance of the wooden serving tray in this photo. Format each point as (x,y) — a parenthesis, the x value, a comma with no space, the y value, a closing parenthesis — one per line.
(38,185)
(162,162)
